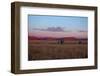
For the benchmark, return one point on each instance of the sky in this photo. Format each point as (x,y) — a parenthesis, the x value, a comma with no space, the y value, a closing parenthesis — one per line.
(57,26)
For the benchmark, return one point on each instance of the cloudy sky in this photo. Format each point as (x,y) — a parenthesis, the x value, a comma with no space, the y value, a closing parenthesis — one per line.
(57,26)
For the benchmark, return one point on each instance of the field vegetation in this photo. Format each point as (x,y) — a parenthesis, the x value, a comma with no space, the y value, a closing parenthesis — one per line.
(52,49)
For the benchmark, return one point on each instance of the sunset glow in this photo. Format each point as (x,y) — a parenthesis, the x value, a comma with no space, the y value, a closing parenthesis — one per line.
(57,26)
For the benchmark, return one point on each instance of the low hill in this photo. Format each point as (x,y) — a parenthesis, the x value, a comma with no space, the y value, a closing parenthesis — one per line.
(51,38)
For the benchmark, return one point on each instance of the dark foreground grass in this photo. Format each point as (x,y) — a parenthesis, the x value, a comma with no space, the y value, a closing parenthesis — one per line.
(48,51)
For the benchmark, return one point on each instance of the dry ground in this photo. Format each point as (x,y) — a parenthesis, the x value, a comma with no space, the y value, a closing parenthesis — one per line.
(46,50)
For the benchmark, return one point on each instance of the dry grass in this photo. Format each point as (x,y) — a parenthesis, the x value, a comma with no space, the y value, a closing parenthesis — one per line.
(44,50)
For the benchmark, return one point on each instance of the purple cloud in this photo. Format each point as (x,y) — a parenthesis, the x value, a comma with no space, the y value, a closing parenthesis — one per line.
(82,31)
(54,29)
(58,29)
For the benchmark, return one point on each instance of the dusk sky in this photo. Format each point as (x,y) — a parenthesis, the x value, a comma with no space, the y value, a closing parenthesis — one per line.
(57,26)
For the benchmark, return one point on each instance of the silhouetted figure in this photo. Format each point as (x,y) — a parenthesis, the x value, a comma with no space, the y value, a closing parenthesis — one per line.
(80,42)
(61,41)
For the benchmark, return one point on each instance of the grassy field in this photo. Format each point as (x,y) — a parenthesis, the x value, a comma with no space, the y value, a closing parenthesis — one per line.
(50,49)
